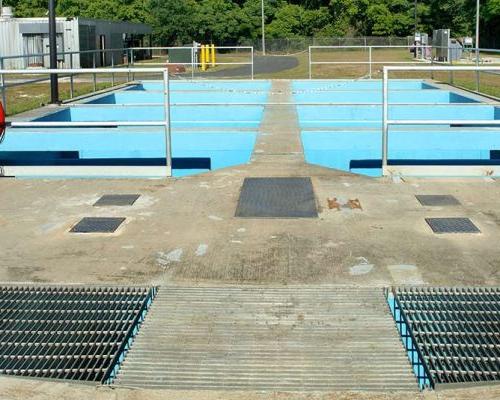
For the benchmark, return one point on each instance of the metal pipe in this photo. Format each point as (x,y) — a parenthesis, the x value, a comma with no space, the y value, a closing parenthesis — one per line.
(2,85)
(54,86)
(309,57)
(166,105)
(385,125)
(95,75)
(112,67)
(252,67)
(370,60)
(71,80)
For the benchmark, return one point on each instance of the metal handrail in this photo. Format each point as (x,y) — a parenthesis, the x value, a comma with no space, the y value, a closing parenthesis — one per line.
(371,62)
(166,122)
(129,52)
(385,106)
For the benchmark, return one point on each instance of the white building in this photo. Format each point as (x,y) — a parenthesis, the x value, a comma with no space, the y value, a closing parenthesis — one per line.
(30,37)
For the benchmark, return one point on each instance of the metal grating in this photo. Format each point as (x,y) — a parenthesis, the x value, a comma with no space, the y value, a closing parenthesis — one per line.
(455,331)
(452,225)
(76,333)
(277,198)
(97,225)
(436,200)
(117,200)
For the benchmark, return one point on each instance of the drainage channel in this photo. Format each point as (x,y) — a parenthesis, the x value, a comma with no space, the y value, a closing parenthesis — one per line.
(451,335)
(78,333)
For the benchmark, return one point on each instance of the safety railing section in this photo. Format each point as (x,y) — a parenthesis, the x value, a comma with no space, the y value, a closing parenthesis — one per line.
(419,367)
(202,57)
(387,121)
(165,122)
(421,55)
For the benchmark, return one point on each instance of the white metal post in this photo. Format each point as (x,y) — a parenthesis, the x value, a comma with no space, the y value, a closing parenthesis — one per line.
(385,115)
(310,72)
(166,103)
(132,62)
(193,61)
(112,66)
(252,67)
(370,61)
(95,76)
(71,80)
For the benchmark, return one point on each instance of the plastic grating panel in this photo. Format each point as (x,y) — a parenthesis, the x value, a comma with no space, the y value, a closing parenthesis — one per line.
(437,200)
(277,198)
(97,225)
(75,333)
(452,225)
(456,331)
(117,200)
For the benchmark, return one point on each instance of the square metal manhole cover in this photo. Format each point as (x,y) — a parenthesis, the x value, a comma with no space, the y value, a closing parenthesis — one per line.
(437,200)
(277,198)
(97,225)
(117,200)
(452,225)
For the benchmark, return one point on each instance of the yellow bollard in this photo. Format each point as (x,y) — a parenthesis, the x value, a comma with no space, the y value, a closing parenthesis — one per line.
(202,59)
(207,55)
(212,48)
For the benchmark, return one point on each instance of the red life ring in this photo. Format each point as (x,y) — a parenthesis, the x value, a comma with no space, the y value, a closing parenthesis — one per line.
(2,120)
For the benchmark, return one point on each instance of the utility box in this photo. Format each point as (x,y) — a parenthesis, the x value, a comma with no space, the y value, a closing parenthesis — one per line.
(180,56)
(441,42)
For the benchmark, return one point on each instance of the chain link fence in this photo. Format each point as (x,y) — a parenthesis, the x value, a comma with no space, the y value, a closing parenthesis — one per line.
(285,46)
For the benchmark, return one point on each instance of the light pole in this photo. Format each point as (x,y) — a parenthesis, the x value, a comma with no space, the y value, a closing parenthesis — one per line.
(477,31)
(54,87)
(477,44)
(263,27)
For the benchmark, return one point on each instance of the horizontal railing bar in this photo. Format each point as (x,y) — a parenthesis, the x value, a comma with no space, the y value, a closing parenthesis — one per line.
(191,63)
(280,104)
(22,124)
(79,71)
(438,68)
(442,122)
(370,62)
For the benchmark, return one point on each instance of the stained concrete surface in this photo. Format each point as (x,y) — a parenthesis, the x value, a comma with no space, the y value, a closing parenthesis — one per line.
(183,231)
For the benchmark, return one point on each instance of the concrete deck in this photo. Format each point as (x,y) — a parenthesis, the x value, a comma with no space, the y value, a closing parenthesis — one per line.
(182,232)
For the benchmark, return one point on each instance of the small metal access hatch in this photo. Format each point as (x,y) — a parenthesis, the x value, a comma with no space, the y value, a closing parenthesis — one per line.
(437,200)
(452,225)
(277,198)
(97,225)
(117,200)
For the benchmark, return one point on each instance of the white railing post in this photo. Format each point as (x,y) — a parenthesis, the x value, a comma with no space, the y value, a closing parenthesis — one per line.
(310,72)
(370,61)
(95,76)
(252,67)
(112,66)
(132,62)
(166,110)
(385,115)
(193,61)
(71,80)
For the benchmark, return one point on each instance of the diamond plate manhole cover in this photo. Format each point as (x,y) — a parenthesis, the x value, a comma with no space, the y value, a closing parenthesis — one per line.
(437,200)
(97,225)
(117,200)
(452,225)
(277,198)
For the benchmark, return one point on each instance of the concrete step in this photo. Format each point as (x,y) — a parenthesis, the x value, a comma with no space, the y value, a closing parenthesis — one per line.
(254,338)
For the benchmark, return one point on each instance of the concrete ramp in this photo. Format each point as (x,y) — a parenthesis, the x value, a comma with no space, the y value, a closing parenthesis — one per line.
(284,339)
